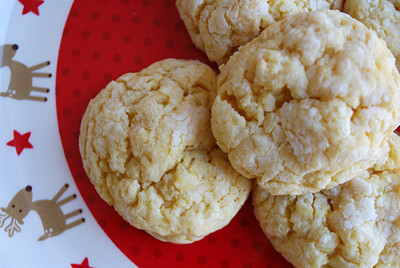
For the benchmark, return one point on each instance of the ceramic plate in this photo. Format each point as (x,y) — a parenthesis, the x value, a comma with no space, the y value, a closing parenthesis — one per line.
(55,56)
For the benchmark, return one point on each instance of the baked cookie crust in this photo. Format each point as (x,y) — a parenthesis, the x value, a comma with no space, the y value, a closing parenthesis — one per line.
(382,16)
(147,147)
(356,224)
(307,104)
(219,27)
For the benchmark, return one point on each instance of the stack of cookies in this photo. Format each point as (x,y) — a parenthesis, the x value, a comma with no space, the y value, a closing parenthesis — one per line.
(302,111)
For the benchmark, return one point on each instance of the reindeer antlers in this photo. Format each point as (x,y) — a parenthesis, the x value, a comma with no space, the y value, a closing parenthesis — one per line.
(3,218)
(12,227)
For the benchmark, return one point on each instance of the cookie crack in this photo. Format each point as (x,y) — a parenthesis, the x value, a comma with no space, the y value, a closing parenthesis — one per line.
(199,12)
(233,102)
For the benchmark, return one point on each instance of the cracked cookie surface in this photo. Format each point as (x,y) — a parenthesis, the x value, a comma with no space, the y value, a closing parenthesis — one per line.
(219,27)
(382,16)
(147,147)
(356,224)
(307,104)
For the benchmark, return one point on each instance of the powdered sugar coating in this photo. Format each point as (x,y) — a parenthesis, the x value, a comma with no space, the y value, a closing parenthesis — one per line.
(356,224)
(219,27)
(307,104)
(147,147)
(382,16)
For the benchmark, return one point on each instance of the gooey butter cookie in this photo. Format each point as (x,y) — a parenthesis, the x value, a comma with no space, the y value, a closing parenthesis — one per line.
(147,147)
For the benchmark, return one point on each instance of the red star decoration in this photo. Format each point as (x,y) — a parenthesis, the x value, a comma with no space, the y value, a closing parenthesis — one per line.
(31,6)
(20,142)
(84,264)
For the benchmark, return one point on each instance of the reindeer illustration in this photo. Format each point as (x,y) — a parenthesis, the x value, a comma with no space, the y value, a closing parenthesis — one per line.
(53,219)
(20,86)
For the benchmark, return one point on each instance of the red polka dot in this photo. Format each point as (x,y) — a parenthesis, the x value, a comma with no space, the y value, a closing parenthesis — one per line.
(157,22)
(257,246)
(180,256)
(96,55)
(244,222)
(138,60)
(136,20)
(85,34)
(74,13)
(76,134)
(125,1)
(106,36)
(146,2)
(202,260)
(123,226)
(68,153)
(167,4)
(79,176)
(86,74)
(75,52)
(157,253)
(107,77)
(116,18)
(127,39)
(103,223)
(90,200)
(178,25)
(190,47)
(235,243)
(65,71)
(148,41)
(76,93)
(212,239)
(95,15)
(169,44)
(117,57)
(66,32)
(224,263)
(135,250)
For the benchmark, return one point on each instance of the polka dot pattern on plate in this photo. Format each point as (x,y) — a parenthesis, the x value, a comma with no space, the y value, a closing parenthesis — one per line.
(100,42)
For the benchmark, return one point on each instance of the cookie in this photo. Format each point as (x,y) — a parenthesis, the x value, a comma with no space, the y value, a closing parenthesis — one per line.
(355,224)
(147,147)
(307,104)
(219,27)
(383,16)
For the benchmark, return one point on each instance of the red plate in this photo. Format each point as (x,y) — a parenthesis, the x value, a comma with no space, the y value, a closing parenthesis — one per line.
(101,41)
